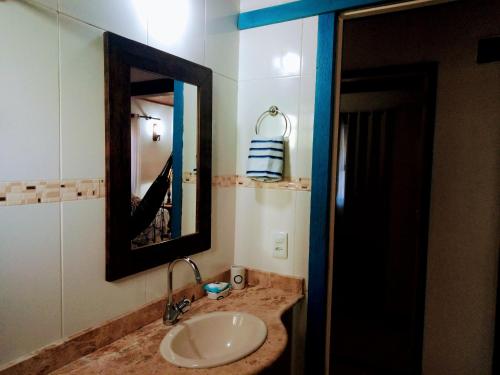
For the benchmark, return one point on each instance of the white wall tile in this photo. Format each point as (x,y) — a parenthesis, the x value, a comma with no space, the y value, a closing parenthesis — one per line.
(30,285)
(248,5)
(156,283)
(259,213)
(270,51)
(52,4)
(29,98)
(188,225)
(302,219)
(285,50)
(128,18)
(255,97)
(87,298)
(309,45)
(177,27)
(306,126)
(222,37)
(223,228)
(224,126)
(82,100)
(218,259)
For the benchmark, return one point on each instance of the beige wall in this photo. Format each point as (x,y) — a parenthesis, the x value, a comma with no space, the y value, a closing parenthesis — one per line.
(52,255)
(153,155)
(189,158)
(465,211)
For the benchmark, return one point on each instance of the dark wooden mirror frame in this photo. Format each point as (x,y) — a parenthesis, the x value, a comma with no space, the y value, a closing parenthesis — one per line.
(120,55)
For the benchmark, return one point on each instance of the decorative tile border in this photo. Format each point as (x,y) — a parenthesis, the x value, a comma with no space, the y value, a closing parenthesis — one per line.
(46,191)
(224,181)
(34,192)
(303,184)
(189,177)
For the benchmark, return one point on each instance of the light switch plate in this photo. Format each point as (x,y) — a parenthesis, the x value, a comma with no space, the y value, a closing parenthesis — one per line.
(280,245)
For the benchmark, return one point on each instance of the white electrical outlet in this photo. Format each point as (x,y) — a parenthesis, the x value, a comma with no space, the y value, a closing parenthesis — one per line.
(280,245)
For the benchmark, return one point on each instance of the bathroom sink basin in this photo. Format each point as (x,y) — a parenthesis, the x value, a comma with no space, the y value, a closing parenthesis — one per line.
(213,339)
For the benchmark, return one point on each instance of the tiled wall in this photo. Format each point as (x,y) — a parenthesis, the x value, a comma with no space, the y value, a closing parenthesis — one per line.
(277,67)
(52,104)
(52,129)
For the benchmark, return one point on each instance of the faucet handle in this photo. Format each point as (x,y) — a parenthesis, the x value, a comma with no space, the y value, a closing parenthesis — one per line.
(184,305)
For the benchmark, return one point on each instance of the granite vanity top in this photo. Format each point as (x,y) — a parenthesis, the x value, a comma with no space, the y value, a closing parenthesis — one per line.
(138,352)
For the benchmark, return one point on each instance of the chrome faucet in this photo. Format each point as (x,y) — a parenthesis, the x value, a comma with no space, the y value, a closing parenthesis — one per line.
(174,310)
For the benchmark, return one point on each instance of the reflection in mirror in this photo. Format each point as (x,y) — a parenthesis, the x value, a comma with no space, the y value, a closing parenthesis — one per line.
(163,129)
(158,157)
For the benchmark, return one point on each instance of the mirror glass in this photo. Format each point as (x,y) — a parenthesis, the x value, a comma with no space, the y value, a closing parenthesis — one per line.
(163,143)
(158,157)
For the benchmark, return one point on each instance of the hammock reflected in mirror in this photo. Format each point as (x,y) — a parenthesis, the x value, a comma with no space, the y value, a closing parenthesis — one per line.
(163,139)
(158,122)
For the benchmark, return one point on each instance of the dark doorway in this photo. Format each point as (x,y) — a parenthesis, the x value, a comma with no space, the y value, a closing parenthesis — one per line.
(381,219)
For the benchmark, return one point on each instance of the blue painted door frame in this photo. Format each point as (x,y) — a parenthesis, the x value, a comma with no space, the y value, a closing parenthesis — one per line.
(296,10)
(177,145)
(320,195)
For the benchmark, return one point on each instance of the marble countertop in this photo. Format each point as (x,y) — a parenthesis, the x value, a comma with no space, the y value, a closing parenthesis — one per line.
(138,352)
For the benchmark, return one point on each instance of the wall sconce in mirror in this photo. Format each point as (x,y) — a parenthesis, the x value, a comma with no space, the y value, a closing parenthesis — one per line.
(152,215)
(156,135)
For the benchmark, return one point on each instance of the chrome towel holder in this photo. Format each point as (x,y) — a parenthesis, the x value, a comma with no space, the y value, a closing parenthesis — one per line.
(273,111)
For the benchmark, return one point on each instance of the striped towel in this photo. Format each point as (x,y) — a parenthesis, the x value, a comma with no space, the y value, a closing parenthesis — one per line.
(265,159)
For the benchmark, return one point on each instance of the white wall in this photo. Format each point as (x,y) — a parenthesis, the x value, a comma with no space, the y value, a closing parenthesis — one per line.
(277,67)
(52,127)
(189,158)
(152,155)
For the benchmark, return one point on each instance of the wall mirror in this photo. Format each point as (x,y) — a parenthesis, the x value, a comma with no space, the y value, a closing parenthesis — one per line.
(158,157)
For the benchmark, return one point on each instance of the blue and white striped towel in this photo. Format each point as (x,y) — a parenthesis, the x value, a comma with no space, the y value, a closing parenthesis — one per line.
(265,159)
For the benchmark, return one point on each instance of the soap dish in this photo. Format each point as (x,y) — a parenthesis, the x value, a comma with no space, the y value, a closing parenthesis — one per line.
(217,290)
(219,295)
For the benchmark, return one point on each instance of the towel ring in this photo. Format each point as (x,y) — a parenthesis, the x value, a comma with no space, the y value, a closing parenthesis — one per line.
(273,111)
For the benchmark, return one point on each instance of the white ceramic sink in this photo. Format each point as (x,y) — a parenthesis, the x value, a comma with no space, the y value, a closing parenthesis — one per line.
(213,339)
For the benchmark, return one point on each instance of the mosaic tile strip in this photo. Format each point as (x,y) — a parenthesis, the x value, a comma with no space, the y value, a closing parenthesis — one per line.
(39,191)
(228,181)
(300,183)
(34,192)
(224,181)
(303,184)
(189,177)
